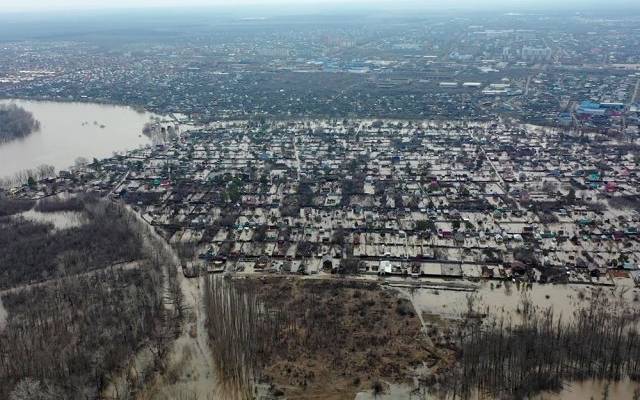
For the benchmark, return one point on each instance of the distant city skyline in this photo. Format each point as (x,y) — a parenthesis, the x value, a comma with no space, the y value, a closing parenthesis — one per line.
(79,5)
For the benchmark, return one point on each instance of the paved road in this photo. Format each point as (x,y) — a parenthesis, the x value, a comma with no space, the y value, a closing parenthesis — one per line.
(297,155)
(635,92)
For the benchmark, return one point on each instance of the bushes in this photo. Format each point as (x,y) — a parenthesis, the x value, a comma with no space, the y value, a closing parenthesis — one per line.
(404,308)
(349,266)
(14,206)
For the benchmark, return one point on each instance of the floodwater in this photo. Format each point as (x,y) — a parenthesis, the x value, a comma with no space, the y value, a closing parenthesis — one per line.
(585,390)
(60,220)
(72,130)
(190,354)
(504,299)
(594,389)
(393,392)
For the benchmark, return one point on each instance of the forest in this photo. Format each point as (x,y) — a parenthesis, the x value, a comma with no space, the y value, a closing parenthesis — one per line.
(16,122)
(34,251)
(310,338)
(76,317)
(67,337)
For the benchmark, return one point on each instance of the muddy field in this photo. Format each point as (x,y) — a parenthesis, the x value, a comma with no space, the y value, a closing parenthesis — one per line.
(341,337)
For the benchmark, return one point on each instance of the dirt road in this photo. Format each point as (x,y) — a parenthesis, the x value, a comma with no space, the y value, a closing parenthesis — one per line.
(190,358)
(190,372)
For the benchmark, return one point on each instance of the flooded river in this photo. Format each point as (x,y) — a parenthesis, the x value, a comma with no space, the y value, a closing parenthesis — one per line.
(72,130)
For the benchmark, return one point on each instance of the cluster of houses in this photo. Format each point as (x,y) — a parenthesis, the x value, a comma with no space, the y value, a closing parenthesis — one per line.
(384,197)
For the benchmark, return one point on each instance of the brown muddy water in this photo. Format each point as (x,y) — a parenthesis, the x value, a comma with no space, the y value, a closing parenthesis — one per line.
(504,300)
(72,130)
(594,389)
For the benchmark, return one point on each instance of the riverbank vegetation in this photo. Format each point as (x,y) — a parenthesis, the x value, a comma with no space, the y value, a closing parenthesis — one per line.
(305,338)
(28,176)
(16,122)
(312,338)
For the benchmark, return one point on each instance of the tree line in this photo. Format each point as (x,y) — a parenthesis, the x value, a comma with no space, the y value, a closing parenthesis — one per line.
(10,206)
(63,204)
(29,176)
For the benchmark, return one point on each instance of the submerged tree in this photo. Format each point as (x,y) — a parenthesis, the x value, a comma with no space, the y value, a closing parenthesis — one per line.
(16,122)
(543,352)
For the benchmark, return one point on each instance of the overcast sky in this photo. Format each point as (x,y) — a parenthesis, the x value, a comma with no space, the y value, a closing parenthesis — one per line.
(59,5)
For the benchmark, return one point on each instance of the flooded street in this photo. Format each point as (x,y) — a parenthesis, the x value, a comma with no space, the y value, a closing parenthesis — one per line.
(72,130)
(392,392)
(191,351)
